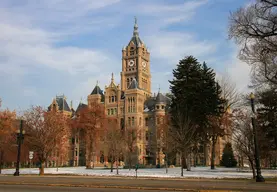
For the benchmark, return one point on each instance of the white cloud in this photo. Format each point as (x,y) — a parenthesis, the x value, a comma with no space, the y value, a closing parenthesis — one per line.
(167,14)
(173,46)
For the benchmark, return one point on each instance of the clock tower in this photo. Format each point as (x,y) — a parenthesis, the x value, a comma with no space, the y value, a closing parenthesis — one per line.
(136,64)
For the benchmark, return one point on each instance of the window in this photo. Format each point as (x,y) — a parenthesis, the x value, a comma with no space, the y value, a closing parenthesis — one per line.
(112,99)
(146,121)
(133,120)
(115,111)
(108,111)
(109,99)
(129,121)
(157,107)
(146,135)
(111,111)
(162,106)
(158,120)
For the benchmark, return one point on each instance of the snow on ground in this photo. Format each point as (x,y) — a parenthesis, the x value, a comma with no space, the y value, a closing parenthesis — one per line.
(196,172)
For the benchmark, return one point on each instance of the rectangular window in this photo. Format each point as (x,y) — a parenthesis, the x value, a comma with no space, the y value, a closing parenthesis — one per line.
(133,120)
(146,121)
(129,121)
(146,135)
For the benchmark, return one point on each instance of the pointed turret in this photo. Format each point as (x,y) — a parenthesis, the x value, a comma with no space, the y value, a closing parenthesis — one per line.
(135,39)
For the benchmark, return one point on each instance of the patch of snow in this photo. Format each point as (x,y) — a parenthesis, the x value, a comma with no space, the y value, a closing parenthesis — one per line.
(197,172)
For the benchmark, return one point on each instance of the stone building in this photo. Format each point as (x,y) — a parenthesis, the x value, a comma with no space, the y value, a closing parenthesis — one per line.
(131,101)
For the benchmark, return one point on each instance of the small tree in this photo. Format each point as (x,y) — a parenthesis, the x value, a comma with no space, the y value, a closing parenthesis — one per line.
(7,128)
(46,133)
(91,119)
(130,138)
(114,142)
(228,158)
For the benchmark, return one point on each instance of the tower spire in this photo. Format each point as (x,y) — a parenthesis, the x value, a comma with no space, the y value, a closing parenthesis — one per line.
(136,33)
(112,80)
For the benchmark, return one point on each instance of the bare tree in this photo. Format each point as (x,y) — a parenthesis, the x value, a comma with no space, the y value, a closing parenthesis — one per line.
(164,139)
(243,136)
(229,91)
(254,29)
(7,128)
(114,142)
(183,131)
(46,132)
(91,120)
(131,135)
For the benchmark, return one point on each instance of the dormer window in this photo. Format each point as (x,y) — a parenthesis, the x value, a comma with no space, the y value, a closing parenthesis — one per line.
(162,106)
(157,107)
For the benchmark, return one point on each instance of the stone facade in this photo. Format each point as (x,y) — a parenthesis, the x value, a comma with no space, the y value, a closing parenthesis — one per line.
(133,103)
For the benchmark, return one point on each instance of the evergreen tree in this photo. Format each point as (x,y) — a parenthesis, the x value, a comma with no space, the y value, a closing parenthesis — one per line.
(267,117)
(195,97)
(228,158)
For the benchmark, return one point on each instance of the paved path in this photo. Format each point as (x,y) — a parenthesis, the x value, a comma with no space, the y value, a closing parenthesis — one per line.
(132,183)
(19,188)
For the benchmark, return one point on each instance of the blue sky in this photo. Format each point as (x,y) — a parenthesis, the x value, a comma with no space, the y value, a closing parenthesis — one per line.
(54,47)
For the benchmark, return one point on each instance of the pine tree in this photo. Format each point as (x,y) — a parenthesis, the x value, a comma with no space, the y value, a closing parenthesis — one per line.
(195,97)
(228,158)
(267,117)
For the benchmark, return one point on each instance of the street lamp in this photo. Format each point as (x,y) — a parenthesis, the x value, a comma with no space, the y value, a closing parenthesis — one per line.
(259,177)
(20,138)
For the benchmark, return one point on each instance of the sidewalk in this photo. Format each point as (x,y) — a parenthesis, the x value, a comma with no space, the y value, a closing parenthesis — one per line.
(133,183)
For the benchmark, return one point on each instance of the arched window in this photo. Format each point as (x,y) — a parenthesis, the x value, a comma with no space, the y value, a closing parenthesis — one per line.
(112,99)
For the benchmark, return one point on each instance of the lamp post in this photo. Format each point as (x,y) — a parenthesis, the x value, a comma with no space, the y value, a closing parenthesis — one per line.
(20,138)
(259,177)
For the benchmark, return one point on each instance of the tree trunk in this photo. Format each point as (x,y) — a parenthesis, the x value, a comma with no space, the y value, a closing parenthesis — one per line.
(166,165)
(112,162)
(1,160)
(188,162)
(252,167)
(214,138)
(117,162)
(181,158)
(89,160)
(184,162)
(41,169)
(130,161)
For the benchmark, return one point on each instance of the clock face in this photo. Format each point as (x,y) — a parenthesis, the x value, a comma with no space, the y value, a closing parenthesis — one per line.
(131,63)
(143,64)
